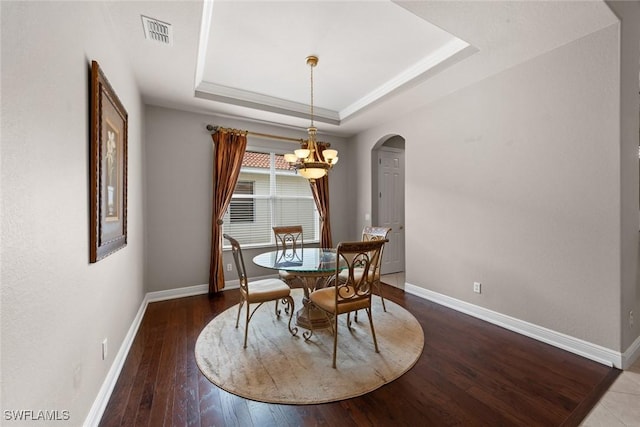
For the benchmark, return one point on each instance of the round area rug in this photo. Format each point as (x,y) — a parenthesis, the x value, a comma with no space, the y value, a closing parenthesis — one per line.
(277,367)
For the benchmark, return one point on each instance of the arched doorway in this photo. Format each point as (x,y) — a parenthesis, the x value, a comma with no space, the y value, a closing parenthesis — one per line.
(387,199)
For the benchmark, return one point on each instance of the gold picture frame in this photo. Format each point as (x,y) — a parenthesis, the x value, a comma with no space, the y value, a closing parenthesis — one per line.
(108,163)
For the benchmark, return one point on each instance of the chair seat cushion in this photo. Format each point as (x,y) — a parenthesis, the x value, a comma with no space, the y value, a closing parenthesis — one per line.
(286,275)
(357,274)
(293,280)
(267,290)
(326,299)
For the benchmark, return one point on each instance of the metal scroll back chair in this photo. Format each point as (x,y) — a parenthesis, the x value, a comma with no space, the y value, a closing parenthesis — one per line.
(369,234)
(377,233)
(289,239)
(351,291)
(259,291)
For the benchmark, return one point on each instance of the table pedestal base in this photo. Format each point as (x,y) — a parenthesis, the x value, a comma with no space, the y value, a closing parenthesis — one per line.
(310,317)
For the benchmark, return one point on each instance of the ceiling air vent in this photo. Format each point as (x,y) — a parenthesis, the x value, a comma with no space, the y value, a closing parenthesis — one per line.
(157,31)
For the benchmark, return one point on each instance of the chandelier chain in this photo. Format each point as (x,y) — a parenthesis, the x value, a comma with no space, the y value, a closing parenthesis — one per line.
(311,95)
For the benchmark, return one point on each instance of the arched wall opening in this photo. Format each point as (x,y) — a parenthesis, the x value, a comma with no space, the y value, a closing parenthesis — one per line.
(388,199)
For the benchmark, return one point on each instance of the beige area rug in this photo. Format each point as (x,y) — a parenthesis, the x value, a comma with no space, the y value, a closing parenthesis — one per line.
(277,367)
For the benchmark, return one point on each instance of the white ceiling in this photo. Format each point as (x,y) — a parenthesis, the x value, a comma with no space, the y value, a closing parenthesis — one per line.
(247,58)
(362,57)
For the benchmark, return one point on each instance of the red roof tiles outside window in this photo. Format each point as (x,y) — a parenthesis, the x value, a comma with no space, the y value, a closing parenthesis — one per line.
(252,159)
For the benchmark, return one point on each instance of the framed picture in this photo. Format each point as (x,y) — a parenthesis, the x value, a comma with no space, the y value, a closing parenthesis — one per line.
(108,176)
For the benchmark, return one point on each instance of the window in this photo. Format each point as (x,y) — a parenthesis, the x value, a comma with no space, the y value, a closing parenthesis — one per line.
(269,193)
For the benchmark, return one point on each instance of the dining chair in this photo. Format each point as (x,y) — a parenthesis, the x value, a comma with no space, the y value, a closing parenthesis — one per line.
(350,291)
(289,239)
(259,291)
(374,233)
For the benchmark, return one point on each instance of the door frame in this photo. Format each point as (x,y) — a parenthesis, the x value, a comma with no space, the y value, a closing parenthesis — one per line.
(396,144)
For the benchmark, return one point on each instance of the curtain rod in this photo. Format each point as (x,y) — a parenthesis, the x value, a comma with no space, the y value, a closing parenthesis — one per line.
(212,128)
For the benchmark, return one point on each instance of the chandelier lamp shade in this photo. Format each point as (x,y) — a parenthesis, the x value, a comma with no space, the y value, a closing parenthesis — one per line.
(312,160)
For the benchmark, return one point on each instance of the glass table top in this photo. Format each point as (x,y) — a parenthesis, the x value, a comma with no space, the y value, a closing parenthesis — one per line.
(305,260)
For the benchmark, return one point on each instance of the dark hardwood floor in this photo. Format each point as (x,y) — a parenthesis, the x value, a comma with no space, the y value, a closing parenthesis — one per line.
(471,373)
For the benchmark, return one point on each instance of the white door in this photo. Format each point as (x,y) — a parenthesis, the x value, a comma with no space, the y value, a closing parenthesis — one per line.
(391,207)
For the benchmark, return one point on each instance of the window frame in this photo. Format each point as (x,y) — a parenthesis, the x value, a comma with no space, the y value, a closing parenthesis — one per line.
(272,197)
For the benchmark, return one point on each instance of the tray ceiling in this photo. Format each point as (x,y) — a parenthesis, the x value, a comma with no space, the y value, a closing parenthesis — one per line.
(366,51)
(378,60)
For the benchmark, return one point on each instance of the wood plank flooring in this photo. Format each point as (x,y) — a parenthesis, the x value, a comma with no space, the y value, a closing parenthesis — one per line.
(471,373)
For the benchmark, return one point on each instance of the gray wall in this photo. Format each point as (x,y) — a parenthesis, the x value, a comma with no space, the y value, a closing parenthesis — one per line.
(56,307)
(179,158)
(629,14)
(526,181)
(515,182)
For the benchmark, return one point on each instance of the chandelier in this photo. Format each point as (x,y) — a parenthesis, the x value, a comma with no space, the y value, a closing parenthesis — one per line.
(312,161)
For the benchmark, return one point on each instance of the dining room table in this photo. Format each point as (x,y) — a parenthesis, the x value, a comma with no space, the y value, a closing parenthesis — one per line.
(315,268)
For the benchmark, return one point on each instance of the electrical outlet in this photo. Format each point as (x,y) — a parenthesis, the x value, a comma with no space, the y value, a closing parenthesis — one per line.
(229,267)
(477,287)
(631,319)
(104,349)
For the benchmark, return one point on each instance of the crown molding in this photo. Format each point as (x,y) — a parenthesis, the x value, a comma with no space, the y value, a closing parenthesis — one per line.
(411,74)
(244,98)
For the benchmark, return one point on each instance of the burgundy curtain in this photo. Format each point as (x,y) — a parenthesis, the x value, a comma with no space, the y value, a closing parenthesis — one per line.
(320,190)
(229,146)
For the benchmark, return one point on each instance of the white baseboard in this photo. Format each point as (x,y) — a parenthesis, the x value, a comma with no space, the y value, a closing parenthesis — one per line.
(574,345)
(631,354)
(100,403)
(168,294)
